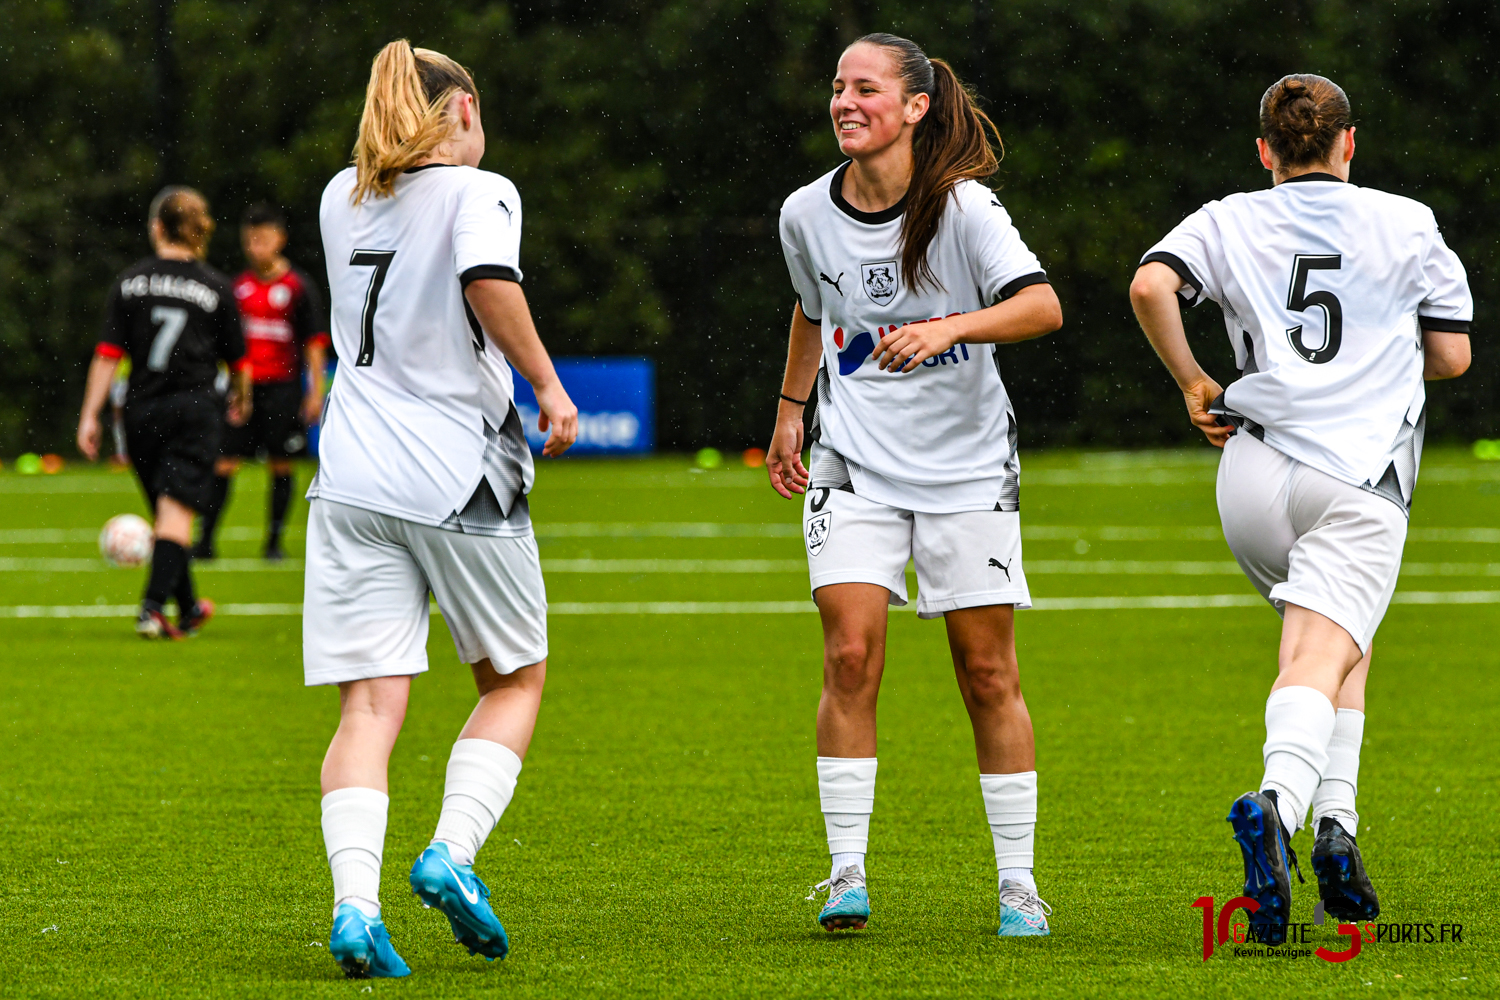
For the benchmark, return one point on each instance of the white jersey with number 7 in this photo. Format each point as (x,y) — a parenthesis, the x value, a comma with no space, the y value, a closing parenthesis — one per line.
(418,385)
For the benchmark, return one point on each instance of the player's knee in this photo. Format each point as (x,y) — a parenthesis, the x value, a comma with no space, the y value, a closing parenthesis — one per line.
(848,667)
(992,681)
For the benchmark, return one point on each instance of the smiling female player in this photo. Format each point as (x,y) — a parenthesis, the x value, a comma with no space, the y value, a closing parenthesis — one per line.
(422,487)
(1339,301)
(908,273)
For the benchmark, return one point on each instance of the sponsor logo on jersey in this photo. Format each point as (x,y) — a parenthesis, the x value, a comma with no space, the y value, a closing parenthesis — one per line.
(833,281)
(861,345)
(881,280)
(851,357)
(818,530)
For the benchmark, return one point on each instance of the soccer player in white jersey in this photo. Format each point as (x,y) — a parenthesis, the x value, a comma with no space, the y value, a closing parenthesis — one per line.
(909,275)
(422,486)
(1339,301)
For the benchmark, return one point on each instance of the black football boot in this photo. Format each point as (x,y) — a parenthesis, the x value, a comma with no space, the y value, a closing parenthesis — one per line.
(1342,883)
(1267,855)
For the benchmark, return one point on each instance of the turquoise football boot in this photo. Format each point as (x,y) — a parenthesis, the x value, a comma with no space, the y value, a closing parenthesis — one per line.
(848,906)
(462,898)
(361,945)
(1022,912)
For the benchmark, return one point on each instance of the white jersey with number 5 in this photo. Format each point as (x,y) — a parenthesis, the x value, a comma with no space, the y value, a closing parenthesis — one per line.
(1326,288)
(420,412)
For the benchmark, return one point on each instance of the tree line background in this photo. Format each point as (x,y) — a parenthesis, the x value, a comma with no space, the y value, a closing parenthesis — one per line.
(654,141)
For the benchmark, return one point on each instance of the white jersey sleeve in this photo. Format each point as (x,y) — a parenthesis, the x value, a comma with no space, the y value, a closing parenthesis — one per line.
(1194,250)
(804,275)
(1002,263)
(487,230)
(1448,306)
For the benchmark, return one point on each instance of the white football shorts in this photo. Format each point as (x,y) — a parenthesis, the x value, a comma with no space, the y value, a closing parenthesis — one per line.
(364,611)
(1305,538)
(970,559)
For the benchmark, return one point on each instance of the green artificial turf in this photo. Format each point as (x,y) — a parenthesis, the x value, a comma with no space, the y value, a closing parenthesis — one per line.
(159,818)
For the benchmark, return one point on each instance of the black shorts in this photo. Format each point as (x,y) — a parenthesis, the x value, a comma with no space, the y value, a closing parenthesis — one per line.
(172,441)
(275,425)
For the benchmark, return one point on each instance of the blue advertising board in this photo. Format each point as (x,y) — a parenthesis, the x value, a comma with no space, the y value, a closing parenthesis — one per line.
(616,400)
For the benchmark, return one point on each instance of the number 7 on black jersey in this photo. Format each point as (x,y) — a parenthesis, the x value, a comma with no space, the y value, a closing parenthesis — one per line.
(380,260)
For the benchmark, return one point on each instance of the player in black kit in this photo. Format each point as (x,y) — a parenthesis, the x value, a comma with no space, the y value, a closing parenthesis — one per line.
(176,318)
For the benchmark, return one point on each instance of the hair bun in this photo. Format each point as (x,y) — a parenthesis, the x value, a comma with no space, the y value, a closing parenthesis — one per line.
(1301,117)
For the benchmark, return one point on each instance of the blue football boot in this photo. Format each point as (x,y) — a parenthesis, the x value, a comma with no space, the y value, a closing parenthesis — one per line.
(1267,856)
(848,906)
(463,899)
(1022,912)
(361,945)
(1342,883)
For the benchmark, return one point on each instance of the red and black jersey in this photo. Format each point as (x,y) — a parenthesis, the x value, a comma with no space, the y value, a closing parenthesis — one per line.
(176,319)
(281,317)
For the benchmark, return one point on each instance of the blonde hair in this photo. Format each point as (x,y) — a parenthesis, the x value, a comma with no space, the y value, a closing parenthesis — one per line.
(406,114)
(184,217)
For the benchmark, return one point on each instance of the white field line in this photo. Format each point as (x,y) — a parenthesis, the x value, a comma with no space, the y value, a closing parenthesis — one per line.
(40,565)
(1169,601)
(712,529)
(1124,470)
(689,567)
(59,536)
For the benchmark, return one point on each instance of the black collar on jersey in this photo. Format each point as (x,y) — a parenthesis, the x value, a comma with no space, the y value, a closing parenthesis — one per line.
(427,166)
(1315,176)
(836,192)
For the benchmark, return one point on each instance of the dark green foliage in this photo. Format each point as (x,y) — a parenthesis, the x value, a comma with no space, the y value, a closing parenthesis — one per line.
(654,142)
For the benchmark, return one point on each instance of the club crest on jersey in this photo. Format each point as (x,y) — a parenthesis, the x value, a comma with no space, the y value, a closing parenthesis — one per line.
(818,530)
(882,280)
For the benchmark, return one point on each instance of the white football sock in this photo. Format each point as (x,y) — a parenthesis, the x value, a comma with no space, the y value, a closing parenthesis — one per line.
(1335,795)
(1299,724)
(354,833)
(1010,806)
(842,861)
(846,791)
(481,780)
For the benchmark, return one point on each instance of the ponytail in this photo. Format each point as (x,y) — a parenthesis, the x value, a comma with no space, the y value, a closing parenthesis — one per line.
(951,144)
(406,115)
(184,218)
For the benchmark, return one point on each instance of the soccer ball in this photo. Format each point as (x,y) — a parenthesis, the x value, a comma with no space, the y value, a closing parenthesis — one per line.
(126,540)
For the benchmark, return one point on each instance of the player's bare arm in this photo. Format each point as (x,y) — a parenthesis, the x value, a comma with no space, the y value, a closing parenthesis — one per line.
(95,392)
(1444,355)
(240,390)
(1153,295)
(502,311)
(316,356)
(784,456)
(1030,313)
